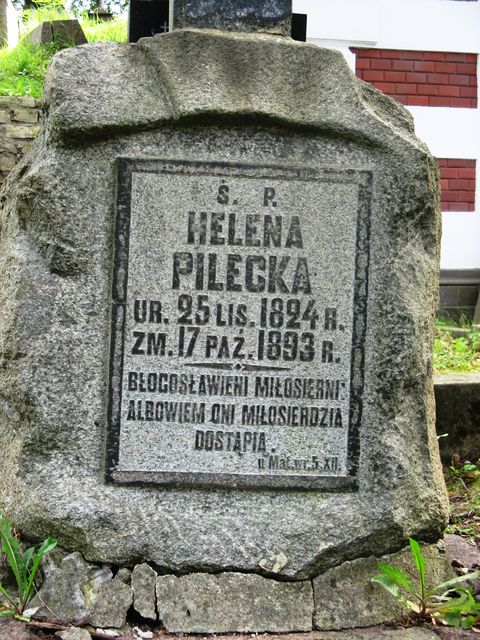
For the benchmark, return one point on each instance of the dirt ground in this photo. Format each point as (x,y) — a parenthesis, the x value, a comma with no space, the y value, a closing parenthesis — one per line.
(13,630)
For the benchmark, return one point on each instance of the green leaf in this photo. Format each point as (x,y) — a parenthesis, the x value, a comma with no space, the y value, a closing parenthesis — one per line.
(6,595)
(11,547)
(24,566)
(7,612)
(447,604)
(446,586)
(397,576)
(419,563)
(464,604)
(468,621)
(457,612)
(27,557)
(453,620)
(458,619)
(46,546)
(417,556)
(385,582)
(393,588)
(26,560)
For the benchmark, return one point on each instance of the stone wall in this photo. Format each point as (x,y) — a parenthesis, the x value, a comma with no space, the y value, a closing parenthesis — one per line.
(19,125)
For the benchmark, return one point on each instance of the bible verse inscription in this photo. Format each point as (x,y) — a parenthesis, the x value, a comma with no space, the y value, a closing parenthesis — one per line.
(238,324)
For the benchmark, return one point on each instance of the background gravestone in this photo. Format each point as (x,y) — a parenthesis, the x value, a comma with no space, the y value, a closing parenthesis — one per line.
(219,278)
(63,32)
(265,16)
(149,17)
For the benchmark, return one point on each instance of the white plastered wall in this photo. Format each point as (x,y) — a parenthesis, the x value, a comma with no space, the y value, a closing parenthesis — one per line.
(423,25)
(12,20)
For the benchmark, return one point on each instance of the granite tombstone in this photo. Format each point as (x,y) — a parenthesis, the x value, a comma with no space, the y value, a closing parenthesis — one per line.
(219,277)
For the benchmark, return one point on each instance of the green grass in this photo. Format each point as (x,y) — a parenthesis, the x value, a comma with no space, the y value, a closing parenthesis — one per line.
(31,18)
(455,354)
(464,322)
(22,70)
(110,31)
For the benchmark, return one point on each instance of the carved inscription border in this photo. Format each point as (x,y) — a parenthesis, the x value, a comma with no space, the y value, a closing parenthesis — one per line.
(237,343)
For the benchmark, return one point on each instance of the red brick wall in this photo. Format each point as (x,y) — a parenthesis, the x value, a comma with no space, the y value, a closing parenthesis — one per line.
(421,78)
(457,181)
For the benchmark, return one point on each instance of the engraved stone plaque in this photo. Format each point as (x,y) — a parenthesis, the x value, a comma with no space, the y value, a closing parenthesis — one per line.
(238,324)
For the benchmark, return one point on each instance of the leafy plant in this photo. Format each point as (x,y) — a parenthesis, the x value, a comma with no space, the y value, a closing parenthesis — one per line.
(467,470)
(24,566)
(447,602)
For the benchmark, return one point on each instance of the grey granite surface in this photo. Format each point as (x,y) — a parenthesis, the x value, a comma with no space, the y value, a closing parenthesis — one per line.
(235,99)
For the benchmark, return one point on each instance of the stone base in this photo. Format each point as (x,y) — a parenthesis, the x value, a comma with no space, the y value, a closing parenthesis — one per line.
(346,598)
(204,603)
(341,598)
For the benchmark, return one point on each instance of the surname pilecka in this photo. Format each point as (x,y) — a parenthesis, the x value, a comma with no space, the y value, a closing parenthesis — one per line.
(235,272)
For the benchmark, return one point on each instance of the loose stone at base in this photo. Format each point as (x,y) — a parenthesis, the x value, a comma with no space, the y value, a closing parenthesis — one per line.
(143,584)
(205,603)
(62,594)
(110,608)
(124,575)
(74,591)
(345,597)
(74,633)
